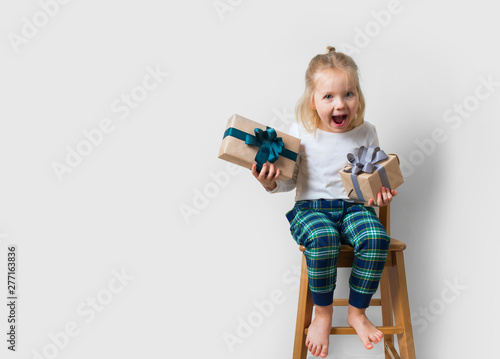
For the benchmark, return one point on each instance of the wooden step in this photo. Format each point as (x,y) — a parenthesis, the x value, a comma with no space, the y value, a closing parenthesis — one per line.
(350,330)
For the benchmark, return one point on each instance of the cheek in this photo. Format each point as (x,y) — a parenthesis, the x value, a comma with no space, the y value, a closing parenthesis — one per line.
(322,111)
(354,106)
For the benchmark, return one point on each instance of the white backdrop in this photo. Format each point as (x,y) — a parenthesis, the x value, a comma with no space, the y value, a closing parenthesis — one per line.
(134,240)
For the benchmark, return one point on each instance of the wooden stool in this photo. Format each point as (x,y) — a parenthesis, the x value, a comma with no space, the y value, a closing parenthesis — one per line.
(393,301)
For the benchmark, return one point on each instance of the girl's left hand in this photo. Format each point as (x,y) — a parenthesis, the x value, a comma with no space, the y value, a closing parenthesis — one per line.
(384,197)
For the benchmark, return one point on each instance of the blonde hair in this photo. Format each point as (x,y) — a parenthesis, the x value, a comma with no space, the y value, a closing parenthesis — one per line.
(332,60)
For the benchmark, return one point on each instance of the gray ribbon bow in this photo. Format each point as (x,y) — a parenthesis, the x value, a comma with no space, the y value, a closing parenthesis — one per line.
(366,162)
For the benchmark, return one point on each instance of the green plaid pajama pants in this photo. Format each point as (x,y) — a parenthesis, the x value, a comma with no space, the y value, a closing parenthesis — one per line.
(321,226)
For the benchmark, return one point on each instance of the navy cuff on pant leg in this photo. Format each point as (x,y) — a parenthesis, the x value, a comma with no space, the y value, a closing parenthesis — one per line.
(359,300)
(323,299)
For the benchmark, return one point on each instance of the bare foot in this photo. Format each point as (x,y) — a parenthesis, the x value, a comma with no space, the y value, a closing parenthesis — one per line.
(367,332)
(318,334)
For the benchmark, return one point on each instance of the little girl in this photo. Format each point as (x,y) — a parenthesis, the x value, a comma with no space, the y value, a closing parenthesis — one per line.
(330,114)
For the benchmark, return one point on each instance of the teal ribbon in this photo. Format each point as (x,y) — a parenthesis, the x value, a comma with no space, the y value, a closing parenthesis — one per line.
(366,162)
(271,147)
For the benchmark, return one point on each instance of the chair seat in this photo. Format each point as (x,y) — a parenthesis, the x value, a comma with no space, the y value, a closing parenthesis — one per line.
(394,246)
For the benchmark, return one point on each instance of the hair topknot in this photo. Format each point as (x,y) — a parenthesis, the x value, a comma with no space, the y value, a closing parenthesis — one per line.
(330,49)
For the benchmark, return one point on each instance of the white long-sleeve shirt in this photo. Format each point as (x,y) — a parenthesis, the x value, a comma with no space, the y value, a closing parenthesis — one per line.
(320,159)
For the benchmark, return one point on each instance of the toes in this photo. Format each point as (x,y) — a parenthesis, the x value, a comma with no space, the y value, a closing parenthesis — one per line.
(373,338)
(324,352)
(312,349)
(379,336)
(376,337)
(368,342)
(315,351)
(318,351)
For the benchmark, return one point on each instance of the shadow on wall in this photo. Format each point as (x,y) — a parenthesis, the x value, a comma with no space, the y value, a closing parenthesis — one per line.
(414,214)
(413,211)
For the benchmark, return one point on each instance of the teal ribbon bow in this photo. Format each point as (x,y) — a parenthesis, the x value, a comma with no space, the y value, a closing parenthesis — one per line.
(366,162)
(270,145)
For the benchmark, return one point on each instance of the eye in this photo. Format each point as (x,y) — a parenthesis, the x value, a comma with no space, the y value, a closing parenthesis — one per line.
(328,97)
(349,94)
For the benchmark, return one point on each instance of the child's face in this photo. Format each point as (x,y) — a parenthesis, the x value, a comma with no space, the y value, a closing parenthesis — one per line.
(336,101)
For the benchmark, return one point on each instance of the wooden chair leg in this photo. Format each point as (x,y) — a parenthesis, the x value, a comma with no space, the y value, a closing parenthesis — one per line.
(401,305)
(387,321)
(304,314)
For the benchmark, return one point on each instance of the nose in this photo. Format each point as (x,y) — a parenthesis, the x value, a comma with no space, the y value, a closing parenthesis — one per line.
(339,104)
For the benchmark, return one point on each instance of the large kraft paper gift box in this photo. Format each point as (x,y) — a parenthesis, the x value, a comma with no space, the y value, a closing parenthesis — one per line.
(246,142)
(368,172)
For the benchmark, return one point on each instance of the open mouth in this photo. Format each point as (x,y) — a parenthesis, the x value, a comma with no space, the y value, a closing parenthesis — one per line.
(339,120)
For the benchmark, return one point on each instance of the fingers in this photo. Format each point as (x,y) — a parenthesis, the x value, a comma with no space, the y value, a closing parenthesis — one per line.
(254,171)
(384,197)
(278,173)
(267,175)
(273,173)
(268,172)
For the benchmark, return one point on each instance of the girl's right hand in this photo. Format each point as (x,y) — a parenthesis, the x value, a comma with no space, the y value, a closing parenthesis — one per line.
(267,176)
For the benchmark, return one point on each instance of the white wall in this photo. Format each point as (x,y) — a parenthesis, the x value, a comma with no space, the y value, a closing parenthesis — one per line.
(192,280)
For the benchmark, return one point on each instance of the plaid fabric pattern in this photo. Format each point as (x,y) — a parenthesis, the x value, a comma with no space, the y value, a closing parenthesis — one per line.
(322,226)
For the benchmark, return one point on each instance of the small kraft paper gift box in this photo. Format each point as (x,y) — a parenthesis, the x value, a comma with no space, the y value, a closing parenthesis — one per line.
(246,142)
(368,172)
